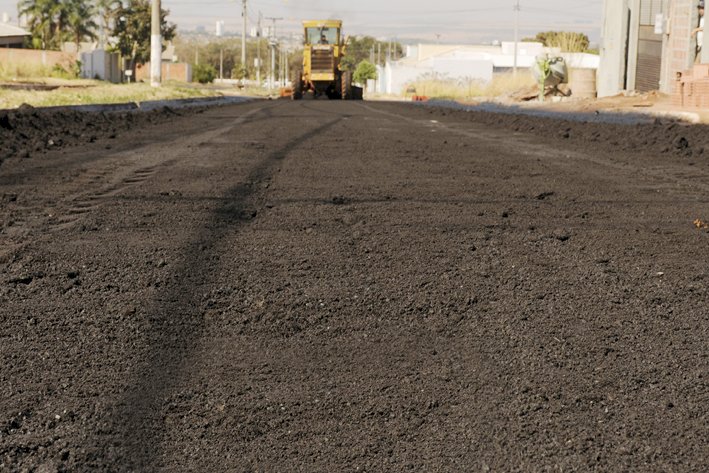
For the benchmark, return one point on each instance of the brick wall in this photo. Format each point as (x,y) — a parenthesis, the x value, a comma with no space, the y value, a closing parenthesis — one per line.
(693,88)
(691,81)
(177,71)
(681,44)
(34,57)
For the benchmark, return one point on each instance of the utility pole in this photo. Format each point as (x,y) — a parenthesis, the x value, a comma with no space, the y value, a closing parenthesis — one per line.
(244,13)
(285,68)
(155,46)
(272,44)
(258,50)
(220,27)
(514,64)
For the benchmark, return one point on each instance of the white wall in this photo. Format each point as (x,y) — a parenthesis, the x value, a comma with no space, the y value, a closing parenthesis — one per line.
(100,64)
(467,63)
(480,69)
(611,70)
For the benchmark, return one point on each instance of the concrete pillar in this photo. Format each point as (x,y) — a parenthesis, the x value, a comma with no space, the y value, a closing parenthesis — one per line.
(681,44)
(633,43)
(705,43)
(155,46)
(611,71)
(667,78)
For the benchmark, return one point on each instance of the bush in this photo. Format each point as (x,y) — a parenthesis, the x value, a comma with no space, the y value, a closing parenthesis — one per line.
(365,71)
(204,73)
(72,71)
(239,72)
(567,41)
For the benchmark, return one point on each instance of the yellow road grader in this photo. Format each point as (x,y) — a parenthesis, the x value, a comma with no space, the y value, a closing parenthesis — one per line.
(322,73)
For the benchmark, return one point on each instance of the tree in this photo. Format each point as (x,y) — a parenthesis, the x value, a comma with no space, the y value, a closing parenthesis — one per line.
(132,30)
(239,71)
(52,22)
(45,20)
(80,24)
(365,71)
(360,48)
(565,40)
(107,10)
(204,73)
(193,50)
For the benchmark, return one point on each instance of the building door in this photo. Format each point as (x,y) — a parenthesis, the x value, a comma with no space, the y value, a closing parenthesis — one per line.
(649,64)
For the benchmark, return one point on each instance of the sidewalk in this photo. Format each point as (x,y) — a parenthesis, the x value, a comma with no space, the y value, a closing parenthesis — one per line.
(638,108)
(653,104)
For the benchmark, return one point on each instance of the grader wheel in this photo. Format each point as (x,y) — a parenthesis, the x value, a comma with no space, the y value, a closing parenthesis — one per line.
(346,85)
(298,87)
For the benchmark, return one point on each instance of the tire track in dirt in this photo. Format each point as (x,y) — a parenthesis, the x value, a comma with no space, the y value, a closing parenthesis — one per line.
(404,300)
(673,176)
(95,186)
(176,322)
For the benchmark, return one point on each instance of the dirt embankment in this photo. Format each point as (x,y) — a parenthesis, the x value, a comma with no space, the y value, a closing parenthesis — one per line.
(659,137)
(663,136)
(28,131)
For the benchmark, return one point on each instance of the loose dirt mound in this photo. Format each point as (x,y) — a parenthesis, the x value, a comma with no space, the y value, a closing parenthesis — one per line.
(28,130)
(660,137)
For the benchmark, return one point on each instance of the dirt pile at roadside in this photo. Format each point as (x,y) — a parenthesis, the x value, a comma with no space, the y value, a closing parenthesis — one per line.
(28,130)
(662,136)
(658,137)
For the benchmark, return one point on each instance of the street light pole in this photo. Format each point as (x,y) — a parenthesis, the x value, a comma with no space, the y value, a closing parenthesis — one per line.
(272,45)
(244,13)
(155,46)
(516,9)
(258,50)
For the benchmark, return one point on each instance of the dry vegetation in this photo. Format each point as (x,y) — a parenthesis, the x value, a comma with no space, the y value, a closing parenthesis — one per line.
(501,85)
(100,93)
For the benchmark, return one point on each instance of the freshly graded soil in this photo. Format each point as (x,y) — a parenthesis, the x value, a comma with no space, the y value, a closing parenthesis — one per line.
(30,132)
(333,286)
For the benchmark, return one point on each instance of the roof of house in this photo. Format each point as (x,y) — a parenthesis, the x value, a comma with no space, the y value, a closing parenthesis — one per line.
(8,30)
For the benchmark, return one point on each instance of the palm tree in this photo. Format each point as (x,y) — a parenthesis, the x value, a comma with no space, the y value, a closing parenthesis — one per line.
(107,10)
(79,24)
(43,21)
(53,21)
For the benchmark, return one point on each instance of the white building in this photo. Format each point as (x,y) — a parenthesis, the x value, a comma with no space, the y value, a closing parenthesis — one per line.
(466,63)
(11,36)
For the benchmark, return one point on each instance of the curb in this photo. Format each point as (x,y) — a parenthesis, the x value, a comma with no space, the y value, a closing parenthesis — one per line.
(616,117)
(145,106)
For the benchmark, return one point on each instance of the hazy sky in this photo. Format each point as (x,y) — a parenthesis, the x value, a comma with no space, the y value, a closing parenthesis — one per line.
(453,20)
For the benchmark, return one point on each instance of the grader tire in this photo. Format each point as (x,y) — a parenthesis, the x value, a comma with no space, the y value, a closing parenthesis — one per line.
(346,85)
(298,87)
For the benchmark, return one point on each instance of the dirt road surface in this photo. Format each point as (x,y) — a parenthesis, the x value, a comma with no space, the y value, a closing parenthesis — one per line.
(328,286)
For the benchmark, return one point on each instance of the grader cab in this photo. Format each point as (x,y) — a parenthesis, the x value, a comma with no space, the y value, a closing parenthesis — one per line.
(322,74)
